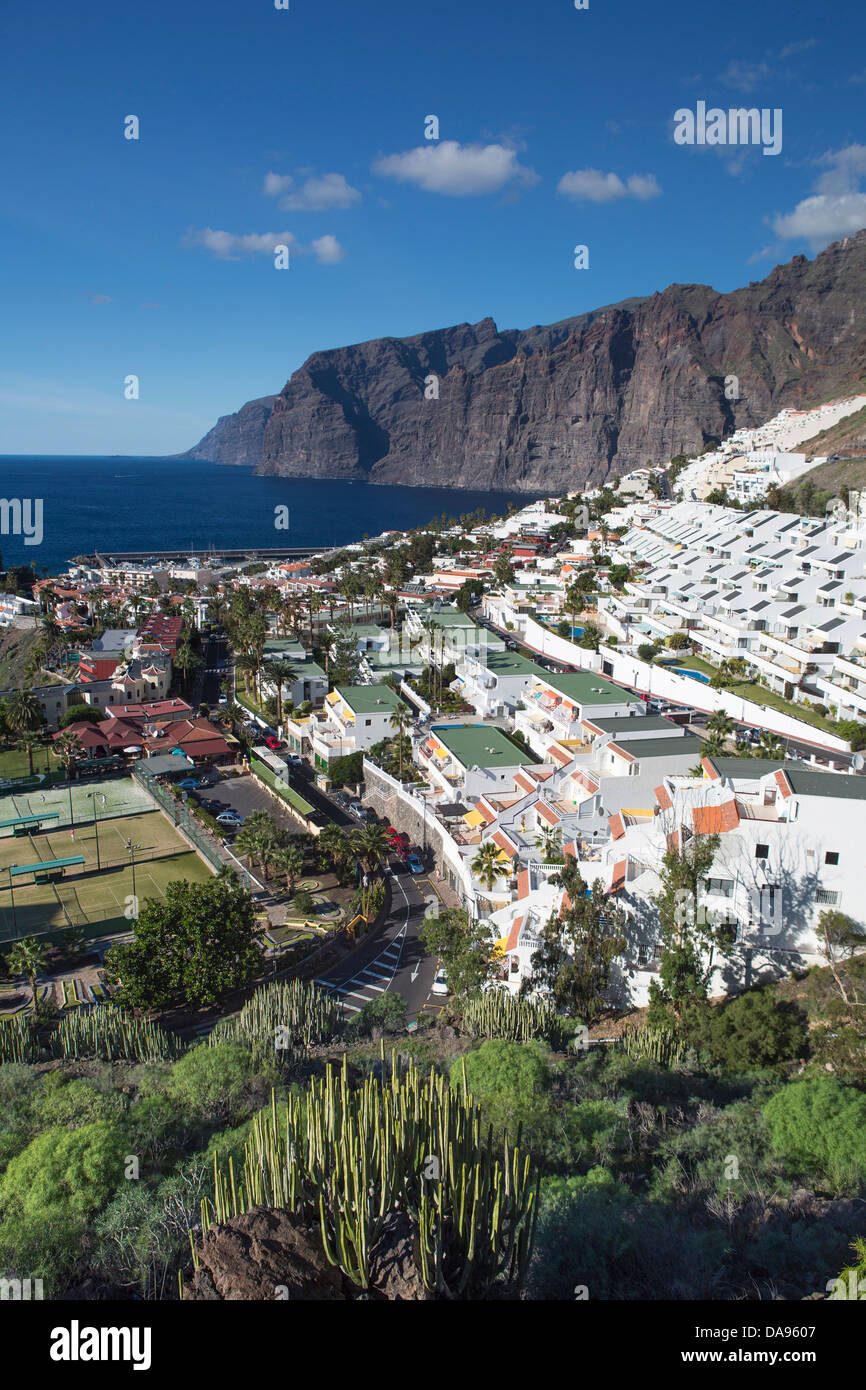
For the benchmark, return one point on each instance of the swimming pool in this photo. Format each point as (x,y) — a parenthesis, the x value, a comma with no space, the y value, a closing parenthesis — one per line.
(693,675)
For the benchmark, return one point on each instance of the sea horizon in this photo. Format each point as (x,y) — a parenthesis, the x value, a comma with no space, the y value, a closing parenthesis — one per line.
(168,501)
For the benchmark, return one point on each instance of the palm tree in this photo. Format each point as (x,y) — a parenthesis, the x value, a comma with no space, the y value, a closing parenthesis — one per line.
(770,747)
(27,958)
(334,843)
(27,741)
(371,843)
(23,711)
(487,865)
(246,663)
(67,747)
(282,673)
(549,842)
(399,722)
(721,723)
(255,841)
(290,861)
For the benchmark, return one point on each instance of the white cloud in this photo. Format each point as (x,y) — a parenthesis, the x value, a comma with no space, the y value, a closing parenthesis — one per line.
(592,186)
(798,46)
(230,246)
(823,219)
(100,299)
(328,250)
(836,208)
(745,76)
(459,171)
(320,193)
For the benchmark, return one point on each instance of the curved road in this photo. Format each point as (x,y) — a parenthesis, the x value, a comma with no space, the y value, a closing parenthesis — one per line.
(394,960)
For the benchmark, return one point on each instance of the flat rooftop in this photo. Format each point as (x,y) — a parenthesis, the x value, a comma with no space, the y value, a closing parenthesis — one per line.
(480,745)
(370,699)
(587,688)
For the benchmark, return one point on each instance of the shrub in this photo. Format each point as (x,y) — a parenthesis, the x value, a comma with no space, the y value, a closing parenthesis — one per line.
(304,903)
(819,1125)
(753,1031)
(77,714)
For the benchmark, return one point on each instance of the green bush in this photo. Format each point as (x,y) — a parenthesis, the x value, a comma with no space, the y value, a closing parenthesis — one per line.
(387,1012)
(818,1125)
(751,1032)
(77,714)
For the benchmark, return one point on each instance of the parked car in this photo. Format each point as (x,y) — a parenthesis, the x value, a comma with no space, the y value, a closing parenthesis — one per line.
(440,982)
(189,784)
(229,818)
(356,808)
(414,863)
(294,760)
(511,646)
(272,743)
(341,799)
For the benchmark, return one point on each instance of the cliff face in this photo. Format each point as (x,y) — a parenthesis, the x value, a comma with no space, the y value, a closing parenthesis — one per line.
(236,438)
(568,405)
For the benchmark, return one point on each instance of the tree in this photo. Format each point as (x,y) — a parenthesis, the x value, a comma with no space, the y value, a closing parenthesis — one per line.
(721,724)
(549,844)
(755,1030)
(647,651)
(686,934)
(579,945)
(67,747)
(371,845)
(28,958)
(591,638)
(335,843)
(189,949)
(487,865)
(503,570)
(678,641)
(289,860)
(80,714)
(400,722)
(463,946)
(23,711)
(282,673)
(347,770)
(840,938)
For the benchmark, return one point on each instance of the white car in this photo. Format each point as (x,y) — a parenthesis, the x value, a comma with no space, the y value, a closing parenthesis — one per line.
(229,818)
(440,982)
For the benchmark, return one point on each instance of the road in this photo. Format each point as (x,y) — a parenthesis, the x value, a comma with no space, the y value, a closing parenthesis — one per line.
(394,960)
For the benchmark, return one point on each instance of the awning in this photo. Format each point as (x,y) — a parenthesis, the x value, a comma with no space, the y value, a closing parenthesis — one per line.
(474,818)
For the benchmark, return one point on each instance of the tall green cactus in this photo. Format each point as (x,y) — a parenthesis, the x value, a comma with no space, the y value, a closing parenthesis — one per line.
(497,1014)
(350,1156)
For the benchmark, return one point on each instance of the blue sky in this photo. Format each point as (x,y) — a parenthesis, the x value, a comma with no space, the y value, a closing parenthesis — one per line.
(155,257)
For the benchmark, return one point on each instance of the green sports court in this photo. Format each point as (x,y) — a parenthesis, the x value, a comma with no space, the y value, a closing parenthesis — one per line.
(96,895)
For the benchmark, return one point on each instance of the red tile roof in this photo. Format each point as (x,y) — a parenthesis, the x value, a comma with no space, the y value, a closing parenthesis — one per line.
(715,820)
(617,826)
(663,797)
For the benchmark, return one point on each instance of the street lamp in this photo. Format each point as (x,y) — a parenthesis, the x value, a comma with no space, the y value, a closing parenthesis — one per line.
(131,848)
(12,897)
(92,796)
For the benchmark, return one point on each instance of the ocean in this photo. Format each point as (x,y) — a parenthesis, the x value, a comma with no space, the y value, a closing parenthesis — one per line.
(159,503)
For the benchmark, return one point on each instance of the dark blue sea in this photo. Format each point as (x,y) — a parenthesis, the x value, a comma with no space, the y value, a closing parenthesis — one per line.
(159,503)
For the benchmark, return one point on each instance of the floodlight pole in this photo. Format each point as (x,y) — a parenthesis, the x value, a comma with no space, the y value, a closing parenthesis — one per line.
(92,796)
(12,896)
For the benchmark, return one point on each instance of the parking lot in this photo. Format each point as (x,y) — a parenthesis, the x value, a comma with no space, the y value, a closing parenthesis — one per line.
(245,795)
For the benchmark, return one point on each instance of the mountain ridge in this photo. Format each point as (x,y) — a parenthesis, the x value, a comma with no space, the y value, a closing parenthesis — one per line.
(568,404)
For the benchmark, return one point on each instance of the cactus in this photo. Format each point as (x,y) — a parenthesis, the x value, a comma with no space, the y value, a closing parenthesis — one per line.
(284,1017)
(109,1033)
(500,1015)
(347,1157)
(19,1039)
(655,1044)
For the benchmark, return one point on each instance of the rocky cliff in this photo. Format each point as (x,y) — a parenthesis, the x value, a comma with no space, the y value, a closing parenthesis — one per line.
(570,404)
(236,438)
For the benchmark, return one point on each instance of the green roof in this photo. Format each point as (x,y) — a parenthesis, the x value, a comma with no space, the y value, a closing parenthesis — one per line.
(370,699)
(481,745)
(587,688)
(752,769)
(807,783)
(687,746)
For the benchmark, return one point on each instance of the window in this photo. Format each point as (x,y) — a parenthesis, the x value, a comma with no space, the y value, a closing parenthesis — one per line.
(827,898)
(367,723)
(723,886)
(762,851)
(831,857)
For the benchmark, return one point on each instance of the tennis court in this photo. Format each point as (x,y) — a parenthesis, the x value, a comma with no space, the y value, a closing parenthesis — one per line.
(93,898)
(110,796)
